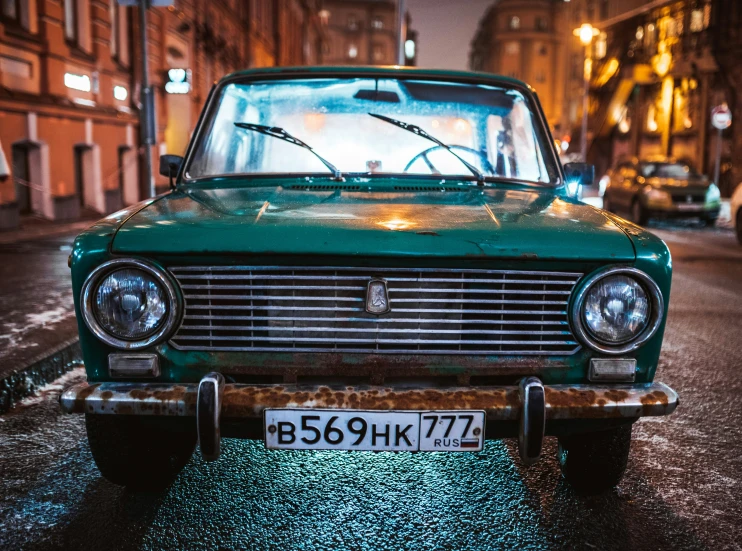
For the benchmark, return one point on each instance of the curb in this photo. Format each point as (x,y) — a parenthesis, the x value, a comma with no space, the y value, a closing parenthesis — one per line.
(43,369)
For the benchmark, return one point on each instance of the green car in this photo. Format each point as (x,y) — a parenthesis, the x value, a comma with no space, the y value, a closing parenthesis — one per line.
(661,187)
(368,259)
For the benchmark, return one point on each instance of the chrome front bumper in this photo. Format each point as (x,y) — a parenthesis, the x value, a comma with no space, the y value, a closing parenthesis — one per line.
(501,403)
(531,403)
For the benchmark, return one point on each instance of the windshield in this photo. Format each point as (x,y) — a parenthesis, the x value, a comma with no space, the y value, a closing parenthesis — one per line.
(341,121)
(679,171)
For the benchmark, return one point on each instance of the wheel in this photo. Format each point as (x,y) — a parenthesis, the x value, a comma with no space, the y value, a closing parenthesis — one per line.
(594,462)
(140,453)
(738,226)
(638,214)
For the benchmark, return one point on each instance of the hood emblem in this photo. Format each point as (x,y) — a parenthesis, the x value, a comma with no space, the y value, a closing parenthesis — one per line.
(377,297)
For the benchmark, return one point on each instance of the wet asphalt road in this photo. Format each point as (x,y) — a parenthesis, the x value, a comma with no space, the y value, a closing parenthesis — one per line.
(683,489)
(36,310)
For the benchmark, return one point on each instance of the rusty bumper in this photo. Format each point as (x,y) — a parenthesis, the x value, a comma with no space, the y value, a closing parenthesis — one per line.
(501,403)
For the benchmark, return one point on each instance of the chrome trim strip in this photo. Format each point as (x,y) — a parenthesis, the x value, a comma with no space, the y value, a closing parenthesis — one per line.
(396,310)
(501,403)
(352,268)
(86,303)
(657,311)
(401,351)
(380,320)
(378,341)
(366,330)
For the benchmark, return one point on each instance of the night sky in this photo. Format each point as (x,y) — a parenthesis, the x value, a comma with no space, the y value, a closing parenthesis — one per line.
(445,29)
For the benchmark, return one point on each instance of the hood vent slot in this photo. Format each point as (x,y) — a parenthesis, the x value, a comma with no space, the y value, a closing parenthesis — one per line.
(430,188)
(324,187)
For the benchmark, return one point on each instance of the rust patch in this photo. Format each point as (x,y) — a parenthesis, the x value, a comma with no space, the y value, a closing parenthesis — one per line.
(616,395)
(247,401)
(649,401)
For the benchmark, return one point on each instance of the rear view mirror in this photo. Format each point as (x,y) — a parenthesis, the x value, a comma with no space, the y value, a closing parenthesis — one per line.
(169,166)
(582,174)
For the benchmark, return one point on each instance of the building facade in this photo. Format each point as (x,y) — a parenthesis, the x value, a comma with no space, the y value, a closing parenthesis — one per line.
(524,39)
(360,32)
(655,80)
(69,90)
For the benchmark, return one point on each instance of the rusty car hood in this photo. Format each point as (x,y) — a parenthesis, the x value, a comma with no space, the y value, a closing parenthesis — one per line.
(362,218)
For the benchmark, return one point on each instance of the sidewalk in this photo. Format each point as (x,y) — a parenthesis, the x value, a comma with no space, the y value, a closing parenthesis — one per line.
(38,228)
(37,316)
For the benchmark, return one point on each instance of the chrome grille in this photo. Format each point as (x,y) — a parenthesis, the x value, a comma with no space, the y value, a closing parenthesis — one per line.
(433,311)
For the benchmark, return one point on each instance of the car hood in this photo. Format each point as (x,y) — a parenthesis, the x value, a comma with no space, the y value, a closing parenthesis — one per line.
(355,220)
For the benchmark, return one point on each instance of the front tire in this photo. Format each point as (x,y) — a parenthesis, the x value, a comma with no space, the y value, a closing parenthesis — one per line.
(140,453)
(594,462)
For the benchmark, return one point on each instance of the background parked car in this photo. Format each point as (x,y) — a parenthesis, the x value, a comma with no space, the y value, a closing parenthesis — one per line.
(661,187)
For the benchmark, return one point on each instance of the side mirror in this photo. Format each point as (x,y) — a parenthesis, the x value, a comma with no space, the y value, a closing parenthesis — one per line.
(169,166)
(582,174)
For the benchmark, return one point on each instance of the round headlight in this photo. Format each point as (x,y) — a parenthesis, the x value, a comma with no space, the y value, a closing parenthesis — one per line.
(129,304)
(617,310)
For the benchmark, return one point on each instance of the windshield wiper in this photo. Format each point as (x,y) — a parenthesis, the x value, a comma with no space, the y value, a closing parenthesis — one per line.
(281,134)
(420,132)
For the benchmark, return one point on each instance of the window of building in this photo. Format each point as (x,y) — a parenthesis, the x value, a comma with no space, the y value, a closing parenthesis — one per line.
(119,34)
(377,22)
(77,23)
(70,19)
(12,9)
(379,53)
(603,9)
(541,24)
(684,104)
(652,125)
(601,46)
(649,35)
(352,51)
(352,22)
(696,21)
(514,23)
(512,48)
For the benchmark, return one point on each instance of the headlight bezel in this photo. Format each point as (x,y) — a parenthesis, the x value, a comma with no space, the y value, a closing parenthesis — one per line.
(656,311)
(90,287)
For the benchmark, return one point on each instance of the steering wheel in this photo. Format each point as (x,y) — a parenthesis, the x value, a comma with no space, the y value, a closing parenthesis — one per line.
(424,154)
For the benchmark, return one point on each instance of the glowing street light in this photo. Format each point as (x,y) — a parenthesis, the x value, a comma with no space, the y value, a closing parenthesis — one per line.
(586,33)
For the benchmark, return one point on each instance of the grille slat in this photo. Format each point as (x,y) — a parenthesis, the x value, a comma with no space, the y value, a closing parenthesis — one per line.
(433,311)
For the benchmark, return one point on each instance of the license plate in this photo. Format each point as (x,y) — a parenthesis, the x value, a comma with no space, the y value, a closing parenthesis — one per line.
(355,430)
(689,207)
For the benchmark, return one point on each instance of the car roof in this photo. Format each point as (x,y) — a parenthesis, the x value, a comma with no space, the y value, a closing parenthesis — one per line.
(390,71)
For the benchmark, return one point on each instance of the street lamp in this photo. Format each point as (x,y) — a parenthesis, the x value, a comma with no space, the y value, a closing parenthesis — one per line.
(586,32)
